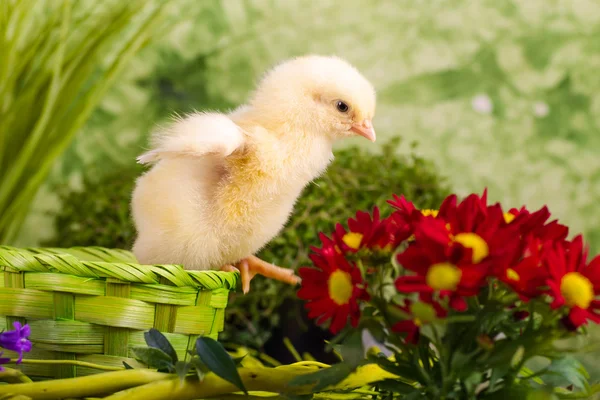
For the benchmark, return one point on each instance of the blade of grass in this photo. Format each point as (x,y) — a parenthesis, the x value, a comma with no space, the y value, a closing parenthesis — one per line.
(18,168)
(11,219)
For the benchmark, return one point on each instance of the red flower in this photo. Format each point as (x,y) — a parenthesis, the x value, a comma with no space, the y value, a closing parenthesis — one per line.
(527,277)
(535,224)
(455,251)
(452,266)
(466,215)
(332,289)
(406,216)
(573,282)
(420,313)
(369,232)
(365,231)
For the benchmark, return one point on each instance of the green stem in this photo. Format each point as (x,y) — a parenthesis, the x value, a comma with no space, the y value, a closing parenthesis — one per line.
(86,386)
(443,358)
(274,380)
(10,375)
(69,362)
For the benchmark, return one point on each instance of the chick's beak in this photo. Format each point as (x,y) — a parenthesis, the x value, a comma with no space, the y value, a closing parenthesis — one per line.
(365,130)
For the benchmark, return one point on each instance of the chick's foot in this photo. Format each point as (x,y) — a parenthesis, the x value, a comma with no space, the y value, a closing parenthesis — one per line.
(229,268)
(253,265)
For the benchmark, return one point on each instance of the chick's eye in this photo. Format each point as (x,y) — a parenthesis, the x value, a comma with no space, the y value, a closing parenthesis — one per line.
(341,106)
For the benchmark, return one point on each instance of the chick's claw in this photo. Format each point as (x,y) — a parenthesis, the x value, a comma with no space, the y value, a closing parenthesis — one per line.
(253,265)
(229,268)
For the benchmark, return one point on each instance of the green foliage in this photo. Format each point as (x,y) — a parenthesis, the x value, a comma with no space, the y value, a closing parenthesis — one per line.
(157,340)
(58,59)
(154,358)
(323,378)
(209,356)
(218,361)
(99,214)
(357,179)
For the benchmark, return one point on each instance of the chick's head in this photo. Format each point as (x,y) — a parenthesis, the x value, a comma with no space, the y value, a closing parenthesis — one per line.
(318,95)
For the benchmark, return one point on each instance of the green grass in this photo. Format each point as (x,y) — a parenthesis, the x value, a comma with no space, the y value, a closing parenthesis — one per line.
(58,59)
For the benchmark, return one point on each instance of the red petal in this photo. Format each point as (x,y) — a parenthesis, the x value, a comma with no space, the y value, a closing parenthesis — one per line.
(312,275)
(458,303)
(408,284)
(311,292)
(404,326)
(414,259)
(339,319)
(578,316)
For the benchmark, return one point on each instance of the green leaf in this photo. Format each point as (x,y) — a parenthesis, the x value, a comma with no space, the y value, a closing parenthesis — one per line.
(461,361)
(541,394)
(157,340)
(498,373)
(457,319)
(376,329)
(238,360)
(214,356)
(323,378)
(298,396)
(566,371)
(400,368)
(182,368)
(395,386)
(472,381)
(154,358)
(416,395)
(509,392)
(352,350)
(199,367)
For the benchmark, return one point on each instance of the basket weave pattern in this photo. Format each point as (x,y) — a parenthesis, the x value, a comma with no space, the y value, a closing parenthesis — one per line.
(93,304)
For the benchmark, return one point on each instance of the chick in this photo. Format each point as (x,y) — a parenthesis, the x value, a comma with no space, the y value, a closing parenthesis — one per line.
(223,185)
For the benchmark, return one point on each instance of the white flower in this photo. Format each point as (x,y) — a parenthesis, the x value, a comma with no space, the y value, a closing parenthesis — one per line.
(482,104)
(541,109)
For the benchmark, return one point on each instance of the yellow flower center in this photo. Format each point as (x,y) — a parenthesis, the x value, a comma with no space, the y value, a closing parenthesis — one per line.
(352,239)
(443,276)
(428,212)
(577,290)
(473,241)
(340,287)
(512,275)
(386,249)
(422,313)
(508,217)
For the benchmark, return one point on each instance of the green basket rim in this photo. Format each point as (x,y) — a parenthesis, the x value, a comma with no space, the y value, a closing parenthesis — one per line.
(99,262)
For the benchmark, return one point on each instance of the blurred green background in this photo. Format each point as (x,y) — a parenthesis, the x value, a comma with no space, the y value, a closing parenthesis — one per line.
(503,94)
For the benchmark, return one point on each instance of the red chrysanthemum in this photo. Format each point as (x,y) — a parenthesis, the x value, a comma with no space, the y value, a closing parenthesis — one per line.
(332,289)
(573,282)
(527,276)
(535,224)
(442,264)
(366,231)
(455,251)
(405,217)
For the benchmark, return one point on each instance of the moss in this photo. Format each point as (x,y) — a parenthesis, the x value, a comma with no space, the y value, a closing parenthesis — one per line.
(357,179)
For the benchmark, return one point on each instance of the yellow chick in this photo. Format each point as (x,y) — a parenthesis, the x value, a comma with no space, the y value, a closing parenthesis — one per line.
(223,185)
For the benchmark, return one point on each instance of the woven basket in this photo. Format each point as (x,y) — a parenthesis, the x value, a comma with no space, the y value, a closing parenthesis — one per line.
(93,304)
